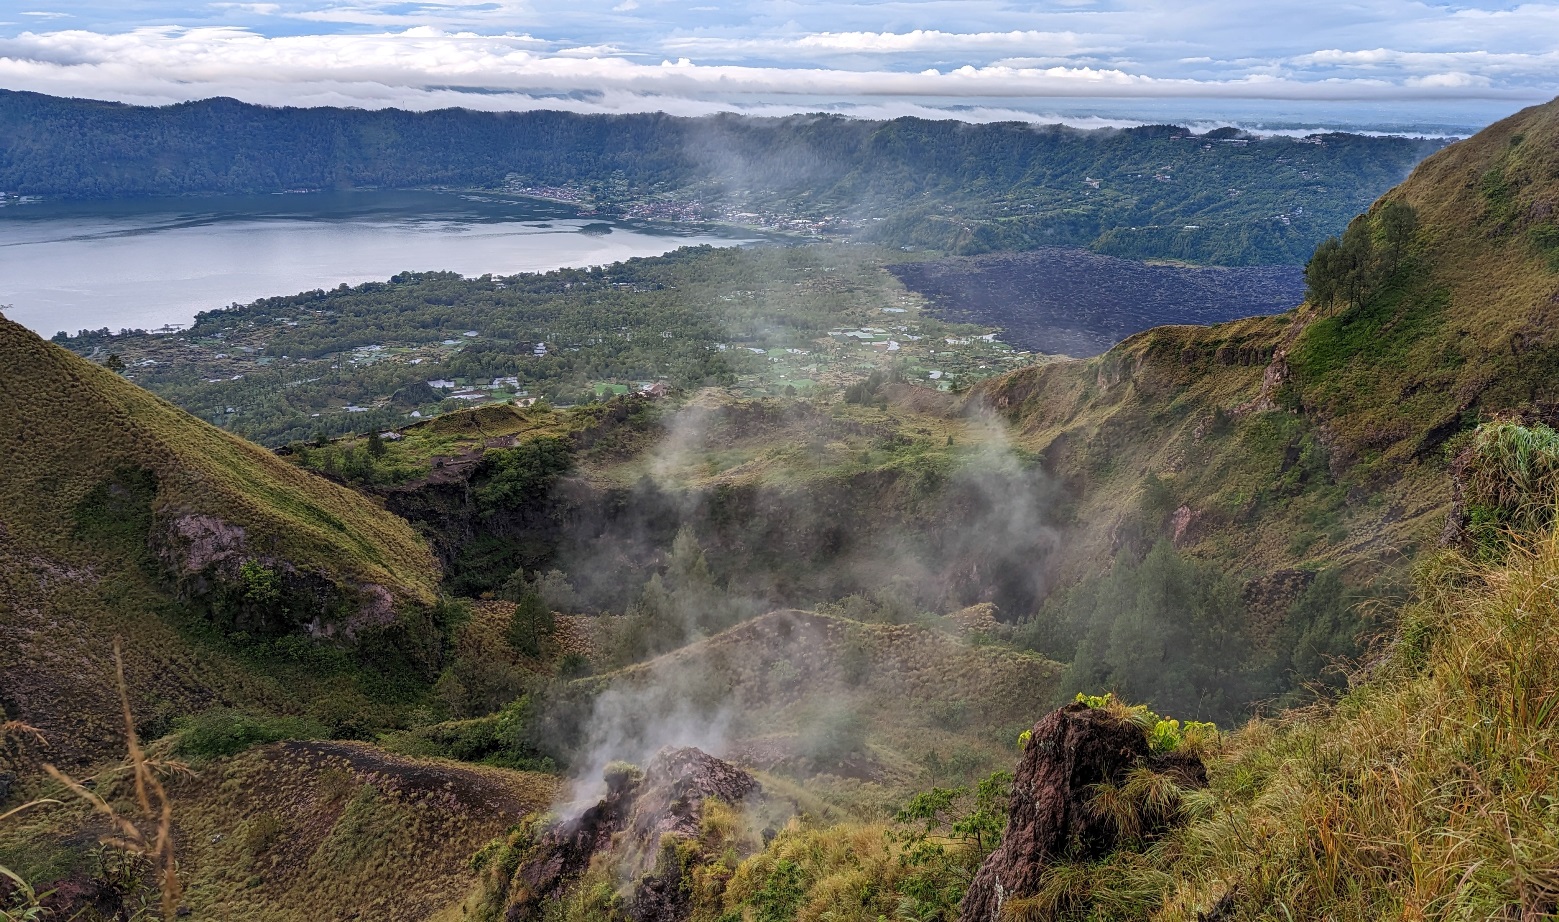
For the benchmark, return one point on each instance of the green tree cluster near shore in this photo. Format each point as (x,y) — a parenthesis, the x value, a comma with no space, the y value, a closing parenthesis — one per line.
(287,368)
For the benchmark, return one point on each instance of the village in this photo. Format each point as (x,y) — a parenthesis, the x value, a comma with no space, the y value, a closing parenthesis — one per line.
(813,333)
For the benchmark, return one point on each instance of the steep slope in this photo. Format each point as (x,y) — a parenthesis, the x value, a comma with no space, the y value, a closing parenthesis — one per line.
(1321,438)
(122,515)
(1426,792)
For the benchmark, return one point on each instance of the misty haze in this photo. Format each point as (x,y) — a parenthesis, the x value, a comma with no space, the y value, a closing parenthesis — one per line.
(848,462)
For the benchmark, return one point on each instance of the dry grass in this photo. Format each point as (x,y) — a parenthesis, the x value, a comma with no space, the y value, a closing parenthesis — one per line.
(1428,792)
(150,796)
(24,903)
(148,837)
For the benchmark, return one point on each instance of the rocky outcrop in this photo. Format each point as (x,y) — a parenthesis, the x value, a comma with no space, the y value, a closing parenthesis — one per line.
(212,564)
(1049,817)
(196,543)
(640,822)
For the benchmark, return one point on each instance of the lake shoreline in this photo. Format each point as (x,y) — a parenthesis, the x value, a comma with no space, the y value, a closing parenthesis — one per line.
(146,264)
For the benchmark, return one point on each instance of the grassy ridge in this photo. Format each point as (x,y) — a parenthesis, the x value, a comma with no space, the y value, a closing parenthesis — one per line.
(1321,438)
(89,512)
(74,421)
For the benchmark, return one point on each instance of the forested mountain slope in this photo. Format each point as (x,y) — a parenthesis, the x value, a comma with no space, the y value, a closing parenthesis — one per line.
(1157,191)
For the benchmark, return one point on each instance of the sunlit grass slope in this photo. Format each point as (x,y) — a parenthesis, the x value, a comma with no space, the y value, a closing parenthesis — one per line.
(73,425)
(99,475)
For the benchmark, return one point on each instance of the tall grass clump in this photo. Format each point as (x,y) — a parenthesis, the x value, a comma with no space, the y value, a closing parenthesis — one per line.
(148,838)
(23,904)
(1431,791)
(1509,476)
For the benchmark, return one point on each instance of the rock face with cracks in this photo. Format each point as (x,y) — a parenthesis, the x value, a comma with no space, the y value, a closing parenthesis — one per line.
(1049,818)
(632,823)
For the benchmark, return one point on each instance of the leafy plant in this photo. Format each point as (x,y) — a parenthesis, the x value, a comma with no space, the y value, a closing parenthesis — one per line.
(945,835)
(226,731)
(260,584)
(1164,734)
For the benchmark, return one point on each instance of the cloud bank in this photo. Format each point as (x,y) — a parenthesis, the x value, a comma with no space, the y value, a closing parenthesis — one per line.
(976,59)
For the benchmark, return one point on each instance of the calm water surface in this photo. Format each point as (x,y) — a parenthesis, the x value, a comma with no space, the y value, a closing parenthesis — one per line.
(144,264)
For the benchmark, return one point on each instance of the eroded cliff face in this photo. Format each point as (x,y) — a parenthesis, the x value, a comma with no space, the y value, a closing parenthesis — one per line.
(1070,753)
(636,827)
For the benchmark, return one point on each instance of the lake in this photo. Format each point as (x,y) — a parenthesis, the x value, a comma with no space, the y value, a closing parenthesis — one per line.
(143,264)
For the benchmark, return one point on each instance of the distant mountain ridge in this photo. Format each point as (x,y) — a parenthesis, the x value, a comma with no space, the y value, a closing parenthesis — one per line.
(1157,191)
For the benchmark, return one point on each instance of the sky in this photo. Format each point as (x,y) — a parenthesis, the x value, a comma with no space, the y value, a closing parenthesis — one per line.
(1390,65)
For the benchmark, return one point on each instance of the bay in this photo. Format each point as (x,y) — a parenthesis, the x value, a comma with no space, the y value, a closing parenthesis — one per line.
(143,264)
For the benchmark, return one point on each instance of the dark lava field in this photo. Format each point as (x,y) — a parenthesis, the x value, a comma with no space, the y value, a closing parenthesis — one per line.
(1074,302)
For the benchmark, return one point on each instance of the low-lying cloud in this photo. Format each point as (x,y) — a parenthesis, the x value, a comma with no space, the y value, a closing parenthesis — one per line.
(426,67)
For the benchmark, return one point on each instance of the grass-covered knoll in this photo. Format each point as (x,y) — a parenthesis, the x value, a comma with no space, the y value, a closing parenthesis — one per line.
(295,830)
(878,746)
(890,705)
(441,449)
(81,429)
(122,515)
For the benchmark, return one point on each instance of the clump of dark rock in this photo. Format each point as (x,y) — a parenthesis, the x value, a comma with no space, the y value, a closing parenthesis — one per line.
(1069,754)
(638,824)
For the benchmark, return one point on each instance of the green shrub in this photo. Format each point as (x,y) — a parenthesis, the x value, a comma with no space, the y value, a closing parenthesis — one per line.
(504,739)
(225,732)
(530,624)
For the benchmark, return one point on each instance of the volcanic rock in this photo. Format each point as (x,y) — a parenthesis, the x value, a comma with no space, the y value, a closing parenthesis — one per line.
(633,822)
(1068,753)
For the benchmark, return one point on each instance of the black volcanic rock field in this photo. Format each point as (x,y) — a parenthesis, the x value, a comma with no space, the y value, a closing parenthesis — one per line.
(1073,302)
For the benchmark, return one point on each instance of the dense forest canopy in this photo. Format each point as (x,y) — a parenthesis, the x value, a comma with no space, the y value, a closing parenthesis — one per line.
(1151,192)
